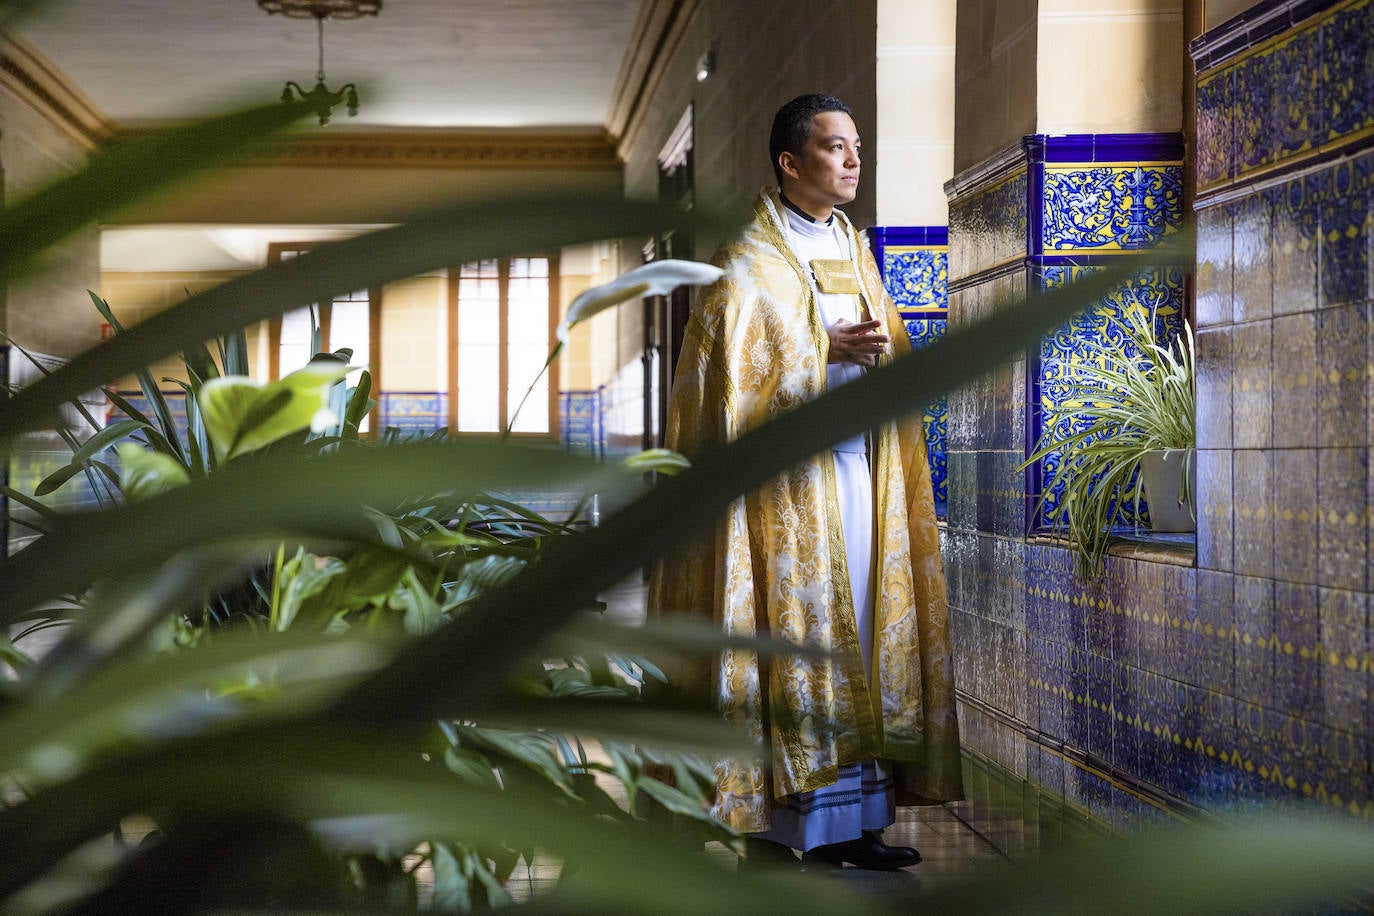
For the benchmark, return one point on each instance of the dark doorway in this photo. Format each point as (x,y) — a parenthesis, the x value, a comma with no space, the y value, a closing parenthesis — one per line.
(665,317)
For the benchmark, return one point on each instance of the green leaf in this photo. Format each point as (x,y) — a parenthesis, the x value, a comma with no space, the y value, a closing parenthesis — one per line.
(145,473)
(533,749)
(242,416)
(662,460)
(675,801)
(450,886)
(471,767)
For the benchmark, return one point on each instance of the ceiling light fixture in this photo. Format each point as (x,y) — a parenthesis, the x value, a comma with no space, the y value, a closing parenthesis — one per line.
(322,98)
(336,9)
(705,65)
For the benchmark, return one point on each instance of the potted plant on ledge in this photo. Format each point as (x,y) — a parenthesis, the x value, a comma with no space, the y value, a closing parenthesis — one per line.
(1138,445)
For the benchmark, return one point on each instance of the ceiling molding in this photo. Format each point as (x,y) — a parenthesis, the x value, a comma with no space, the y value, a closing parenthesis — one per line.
(441,149)
(657,35)
(32,78)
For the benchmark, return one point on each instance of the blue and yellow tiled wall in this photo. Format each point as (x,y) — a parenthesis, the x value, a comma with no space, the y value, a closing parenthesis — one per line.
(914,261)
(1245,675)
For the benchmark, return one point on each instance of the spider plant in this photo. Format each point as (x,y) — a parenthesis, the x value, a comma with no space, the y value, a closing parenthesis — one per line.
(1135,400)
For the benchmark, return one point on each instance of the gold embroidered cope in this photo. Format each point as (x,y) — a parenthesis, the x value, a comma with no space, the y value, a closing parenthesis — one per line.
(775,562)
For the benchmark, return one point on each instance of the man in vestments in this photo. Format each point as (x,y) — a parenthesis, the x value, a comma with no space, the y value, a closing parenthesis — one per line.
(839,553)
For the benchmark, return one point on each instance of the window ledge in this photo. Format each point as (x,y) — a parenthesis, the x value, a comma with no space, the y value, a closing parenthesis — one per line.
(1178,549)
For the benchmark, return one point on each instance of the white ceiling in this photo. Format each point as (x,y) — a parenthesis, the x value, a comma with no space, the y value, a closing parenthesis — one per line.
(420,63)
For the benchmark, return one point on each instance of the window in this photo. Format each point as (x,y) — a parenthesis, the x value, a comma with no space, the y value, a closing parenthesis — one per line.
(502,319)
(351,321)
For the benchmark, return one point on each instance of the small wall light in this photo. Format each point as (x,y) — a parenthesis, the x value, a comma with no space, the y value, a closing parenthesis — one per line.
(705,64)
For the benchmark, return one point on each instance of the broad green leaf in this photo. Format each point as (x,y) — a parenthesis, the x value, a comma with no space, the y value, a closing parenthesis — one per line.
(145,473)
(450,886)
(242,416)
(472,767)
(300,580)
(657,278)
(662,460)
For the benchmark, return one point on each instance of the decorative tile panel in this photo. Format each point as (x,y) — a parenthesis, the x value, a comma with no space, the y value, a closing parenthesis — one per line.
(413,411)
(1155,292)
(1283,96)
(580,416)
(991,225)
(914,261)
(1102,208)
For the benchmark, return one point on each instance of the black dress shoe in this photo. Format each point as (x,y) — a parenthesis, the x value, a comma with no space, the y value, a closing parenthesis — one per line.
(868,851)
(762,856)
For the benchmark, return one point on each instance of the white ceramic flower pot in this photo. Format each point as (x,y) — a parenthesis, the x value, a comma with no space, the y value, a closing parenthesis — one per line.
(1170,496)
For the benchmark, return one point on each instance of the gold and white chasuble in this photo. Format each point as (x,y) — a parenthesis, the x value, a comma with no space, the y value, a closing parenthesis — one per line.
(774,564)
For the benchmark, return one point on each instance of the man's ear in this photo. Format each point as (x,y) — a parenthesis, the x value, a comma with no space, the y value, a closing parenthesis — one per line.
(789,163)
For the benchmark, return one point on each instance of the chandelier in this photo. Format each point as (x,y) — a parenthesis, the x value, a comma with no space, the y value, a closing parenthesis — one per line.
(321,98)
(322,9)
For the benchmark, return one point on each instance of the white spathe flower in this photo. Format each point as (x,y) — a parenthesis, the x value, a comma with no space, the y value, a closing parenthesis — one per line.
(657,278)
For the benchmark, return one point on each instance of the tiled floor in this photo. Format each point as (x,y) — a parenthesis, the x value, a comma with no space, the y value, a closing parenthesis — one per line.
(951,850)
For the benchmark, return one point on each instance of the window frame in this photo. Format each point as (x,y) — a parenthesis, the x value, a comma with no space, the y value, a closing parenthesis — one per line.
(454,277)
(275,252)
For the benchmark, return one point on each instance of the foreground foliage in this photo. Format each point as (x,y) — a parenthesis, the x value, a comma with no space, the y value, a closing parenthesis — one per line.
(384,700)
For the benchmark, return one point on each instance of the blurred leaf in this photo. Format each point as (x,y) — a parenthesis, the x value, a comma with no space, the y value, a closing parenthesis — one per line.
(355,788)
(471,767)
(145,473)
(127,171)
(243,416)
(662,460)
(320,498)
(463,233)
(53,731)
(1266,864)
(450,887)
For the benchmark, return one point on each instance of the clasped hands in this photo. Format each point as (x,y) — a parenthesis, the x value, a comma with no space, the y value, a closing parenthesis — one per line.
(856,343)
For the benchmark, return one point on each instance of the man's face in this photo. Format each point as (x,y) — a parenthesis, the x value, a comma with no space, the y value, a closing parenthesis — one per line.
(827,173)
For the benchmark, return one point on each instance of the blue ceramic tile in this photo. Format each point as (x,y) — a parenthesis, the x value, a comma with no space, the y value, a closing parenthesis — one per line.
(1251,388)
(1296,225)
(1298,117)
(1295,380)
(1298,659)
(963,495)
(1252,516)
(916,278)
(1344,197)
(1345,646)
(1215,273)
(1348,53)
(1342,527)
(1110,207)
(1214,127)
(1215,372)
(1251,258)
(1252,631)
(1213,637)
(1252,113)
(1342,393)
(1294,483)
(1214,506)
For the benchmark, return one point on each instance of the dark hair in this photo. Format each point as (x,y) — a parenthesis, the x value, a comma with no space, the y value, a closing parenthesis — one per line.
(792,125)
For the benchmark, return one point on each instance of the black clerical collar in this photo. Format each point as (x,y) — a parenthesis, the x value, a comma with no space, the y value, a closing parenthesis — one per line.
(802,213)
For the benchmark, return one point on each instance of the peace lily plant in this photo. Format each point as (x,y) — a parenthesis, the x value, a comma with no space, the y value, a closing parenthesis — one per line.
(1139,401)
